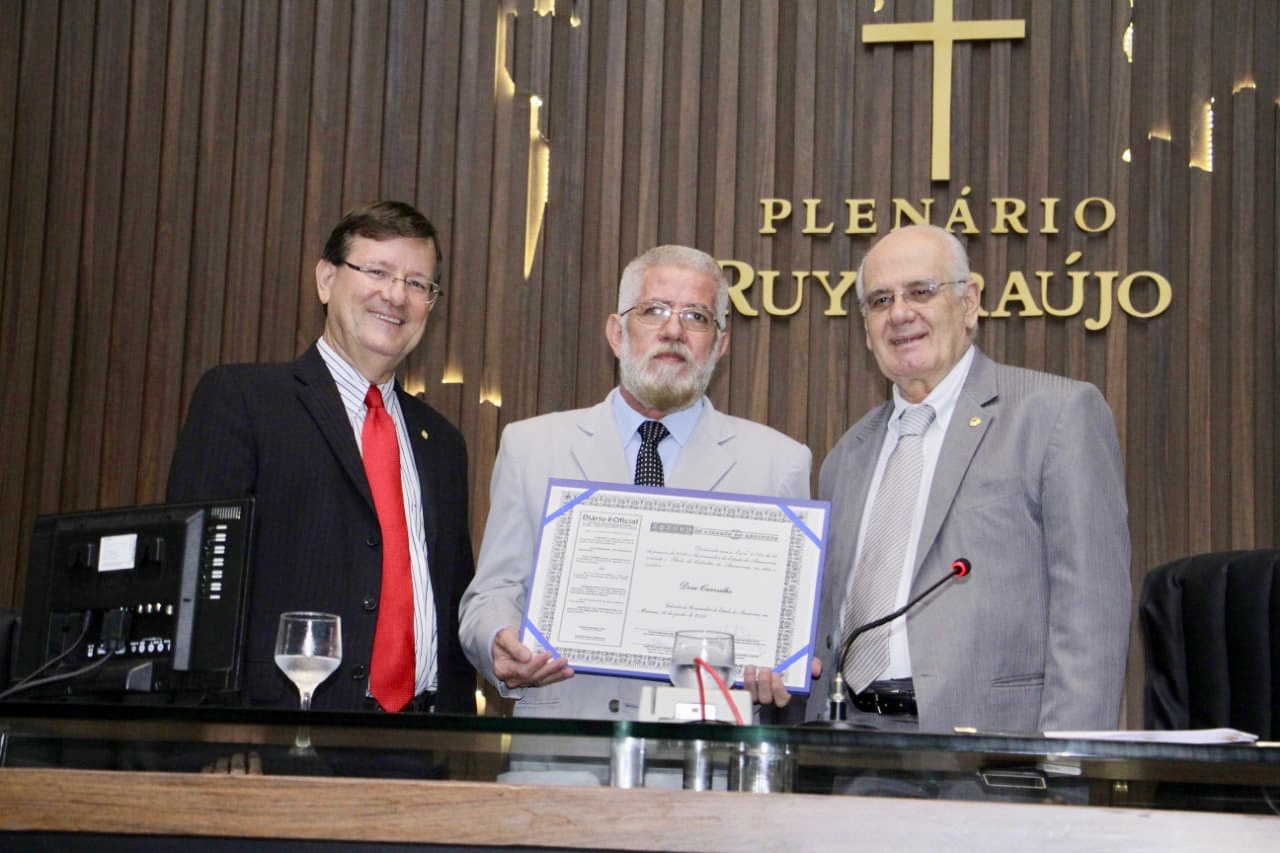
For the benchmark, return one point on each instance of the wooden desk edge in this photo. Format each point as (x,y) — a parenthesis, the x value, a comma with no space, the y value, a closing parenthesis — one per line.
(377,810)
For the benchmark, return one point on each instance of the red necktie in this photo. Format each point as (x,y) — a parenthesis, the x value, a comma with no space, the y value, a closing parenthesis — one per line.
(392,670)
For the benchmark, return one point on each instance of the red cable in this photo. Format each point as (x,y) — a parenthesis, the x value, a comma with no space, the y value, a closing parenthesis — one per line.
(699,665)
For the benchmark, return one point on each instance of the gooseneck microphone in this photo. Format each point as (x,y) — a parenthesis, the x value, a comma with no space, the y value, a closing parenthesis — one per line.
(836,701)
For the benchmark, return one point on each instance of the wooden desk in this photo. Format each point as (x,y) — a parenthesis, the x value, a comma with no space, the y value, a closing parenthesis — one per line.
(490,814)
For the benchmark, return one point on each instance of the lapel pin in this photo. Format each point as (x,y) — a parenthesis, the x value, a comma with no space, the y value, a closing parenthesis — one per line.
(423,434)
(973,422)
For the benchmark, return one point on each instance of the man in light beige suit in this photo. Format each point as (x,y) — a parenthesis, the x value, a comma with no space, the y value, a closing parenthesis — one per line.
(668,333)
(1021,475)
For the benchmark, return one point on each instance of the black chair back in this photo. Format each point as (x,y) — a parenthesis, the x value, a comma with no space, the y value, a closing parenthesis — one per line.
(1211,630)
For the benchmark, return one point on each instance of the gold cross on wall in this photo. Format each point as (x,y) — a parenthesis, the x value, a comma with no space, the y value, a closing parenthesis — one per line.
(943,31)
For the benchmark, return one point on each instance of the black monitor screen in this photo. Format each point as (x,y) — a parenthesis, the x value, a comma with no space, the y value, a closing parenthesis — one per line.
(164,587)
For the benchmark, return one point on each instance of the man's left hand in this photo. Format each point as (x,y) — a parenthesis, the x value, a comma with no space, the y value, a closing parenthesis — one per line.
(766,687)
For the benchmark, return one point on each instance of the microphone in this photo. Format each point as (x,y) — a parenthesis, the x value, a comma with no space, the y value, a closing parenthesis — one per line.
(960,568)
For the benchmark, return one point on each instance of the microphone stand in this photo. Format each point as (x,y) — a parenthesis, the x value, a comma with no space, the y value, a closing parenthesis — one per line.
(837,709)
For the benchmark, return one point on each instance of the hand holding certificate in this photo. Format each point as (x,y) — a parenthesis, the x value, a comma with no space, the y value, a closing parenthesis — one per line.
(620,569)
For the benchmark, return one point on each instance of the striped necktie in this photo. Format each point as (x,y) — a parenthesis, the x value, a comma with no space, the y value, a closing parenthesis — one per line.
(880,567)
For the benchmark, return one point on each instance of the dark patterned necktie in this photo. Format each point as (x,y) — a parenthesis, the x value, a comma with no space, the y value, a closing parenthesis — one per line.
(648,462)
(875,583)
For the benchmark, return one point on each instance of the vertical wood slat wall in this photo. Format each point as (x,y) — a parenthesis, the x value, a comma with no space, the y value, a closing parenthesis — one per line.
(168,172)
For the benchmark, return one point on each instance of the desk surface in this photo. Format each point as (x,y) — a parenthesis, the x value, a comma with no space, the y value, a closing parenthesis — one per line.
(62,772)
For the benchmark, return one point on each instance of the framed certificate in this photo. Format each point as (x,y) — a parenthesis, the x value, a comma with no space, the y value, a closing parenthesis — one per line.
(619,569)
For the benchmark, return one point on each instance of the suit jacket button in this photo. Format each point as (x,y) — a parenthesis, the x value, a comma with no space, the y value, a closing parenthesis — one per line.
(359,671)
(372,540)
(369,603)
(828,641)
(613,705)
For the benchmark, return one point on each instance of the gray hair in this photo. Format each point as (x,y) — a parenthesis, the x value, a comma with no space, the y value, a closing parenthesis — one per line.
(684,257)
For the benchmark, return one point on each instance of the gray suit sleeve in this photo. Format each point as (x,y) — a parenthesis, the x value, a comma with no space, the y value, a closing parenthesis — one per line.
(1087,556)
(496,596)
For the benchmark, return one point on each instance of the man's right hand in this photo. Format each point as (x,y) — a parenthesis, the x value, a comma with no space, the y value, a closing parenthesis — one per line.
(515,664)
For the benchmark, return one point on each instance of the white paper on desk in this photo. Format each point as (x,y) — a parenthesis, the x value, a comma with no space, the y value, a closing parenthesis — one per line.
(619,569)
(1193,736)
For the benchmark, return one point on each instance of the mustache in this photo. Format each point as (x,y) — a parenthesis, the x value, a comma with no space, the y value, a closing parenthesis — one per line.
(670,348)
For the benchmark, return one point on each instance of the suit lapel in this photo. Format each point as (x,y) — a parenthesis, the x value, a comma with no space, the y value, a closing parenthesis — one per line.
(704,461)
(597,449)
(975,410)
(319,396)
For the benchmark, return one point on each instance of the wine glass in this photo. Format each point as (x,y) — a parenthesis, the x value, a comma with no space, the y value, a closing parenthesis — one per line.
(308,650)
(714,647)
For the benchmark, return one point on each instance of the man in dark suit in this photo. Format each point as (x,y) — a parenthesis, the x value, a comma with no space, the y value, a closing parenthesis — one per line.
(294,436)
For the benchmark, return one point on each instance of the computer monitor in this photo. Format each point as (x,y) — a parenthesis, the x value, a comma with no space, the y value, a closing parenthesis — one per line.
(165,587)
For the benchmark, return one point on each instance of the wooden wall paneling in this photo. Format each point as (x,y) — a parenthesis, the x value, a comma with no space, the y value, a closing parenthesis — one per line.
(288,261)
(876,137)
(34,70)
(1274,413)
(402,101)
(602,261)
(773,136)
(982,78)
(1244,307)
(681,119)
(1119,138)
(10,65)
(1031,151)
(366,104)
(134,261)
(325,200)
(1165,391)
(473,204)
(436,180)
(646,53)
(506,216)
(503,325)
(724,36)
(1247,294)
(1067,350)
(1133,441)
(1225,338)
(709,76)
(1243,304)
(1105,171)
(565,327)
(1265,101)
(744,388)
(96,285)
(832,150)
(246,292)
(1193,289)
(215,167)
(797,99)
(527,296)
(175,230)
(54,394)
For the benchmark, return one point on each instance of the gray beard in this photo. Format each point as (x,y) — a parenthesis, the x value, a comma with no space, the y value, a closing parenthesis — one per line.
(661,386)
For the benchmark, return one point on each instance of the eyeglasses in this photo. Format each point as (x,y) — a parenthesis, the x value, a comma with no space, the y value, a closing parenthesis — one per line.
(914,293)
(694,318)
(417,288)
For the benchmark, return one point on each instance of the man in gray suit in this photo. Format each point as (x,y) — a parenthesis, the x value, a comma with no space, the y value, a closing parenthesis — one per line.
(668,334)
(1020,472)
